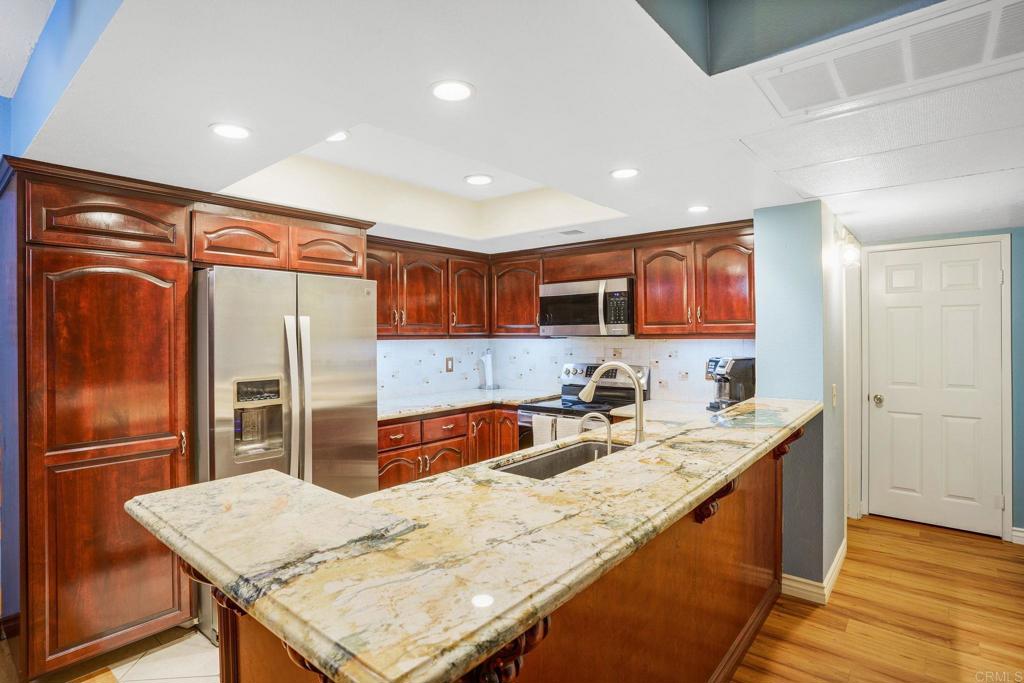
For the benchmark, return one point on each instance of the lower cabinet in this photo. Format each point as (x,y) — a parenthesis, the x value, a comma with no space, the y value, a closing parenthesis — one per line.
(449,441)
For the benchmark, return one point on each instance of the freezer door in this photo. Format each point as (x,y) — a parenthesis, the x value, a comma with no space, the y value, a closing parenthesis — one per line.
(247,371)
(338,345)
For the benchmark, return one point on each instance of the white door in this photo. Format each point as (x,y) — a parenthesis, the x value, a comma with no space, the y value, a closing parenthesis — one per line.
(935,364)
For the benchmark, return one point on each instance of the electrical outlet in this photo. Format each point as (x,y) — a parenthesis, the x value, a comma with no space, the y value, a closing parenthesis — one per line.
(449,364)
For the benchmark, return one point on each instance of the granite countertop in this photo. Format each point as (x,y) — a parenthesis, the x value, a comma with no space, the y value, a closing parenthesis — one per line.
(423,581)
(410,406)
(664,410)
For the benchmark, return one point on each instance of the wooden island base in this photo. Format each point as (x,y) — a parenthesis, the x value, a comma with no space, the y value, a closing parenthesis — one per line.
(683,608)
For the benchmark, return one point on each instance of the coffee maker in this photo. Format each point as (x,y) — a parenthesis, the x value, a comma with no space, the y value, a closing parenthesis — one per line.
(733,378)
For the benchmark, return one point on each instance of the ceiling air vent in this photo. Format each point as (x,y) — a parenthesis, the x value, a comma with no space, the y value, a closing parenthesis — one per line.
(572,232)
(922,52)
(872,69)
(948,48)
(1010,35)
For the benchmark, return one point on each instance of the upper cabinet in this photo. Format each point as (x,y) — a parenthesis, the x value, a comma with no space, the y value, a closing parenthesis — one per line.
(664,289)
(699,287)
(725,284)
(467,293)
(515,296)
(590,265)
(320,249)
(239,241)
(382,268)
(82,215)
(422,293)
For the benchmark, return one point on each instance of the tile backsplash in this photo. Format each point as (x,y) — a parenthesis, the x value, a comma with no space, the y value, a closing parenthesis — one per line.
(417,366)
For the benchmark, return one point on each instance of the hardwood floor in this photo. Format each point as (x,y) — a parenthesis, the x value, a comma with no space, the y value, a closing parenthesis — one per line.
(912,603)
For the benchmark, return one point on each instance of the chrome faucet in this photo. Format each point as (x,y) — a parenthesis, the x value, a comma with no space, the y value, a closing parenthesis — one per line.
(587,392)
(607,424)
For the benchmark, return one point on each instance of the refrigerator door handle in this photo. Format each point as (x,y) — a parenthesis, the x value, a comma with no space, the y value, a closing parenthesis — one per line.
(306,347)
(293,384)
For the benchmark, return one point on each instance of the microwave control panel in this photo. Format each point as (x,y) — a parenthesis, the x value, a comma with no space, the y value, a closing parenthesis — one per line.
(617,309)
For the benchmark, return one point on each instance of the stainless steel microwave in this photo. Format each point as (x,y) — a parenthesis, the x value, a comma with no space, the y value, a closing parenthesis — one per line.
(592,308)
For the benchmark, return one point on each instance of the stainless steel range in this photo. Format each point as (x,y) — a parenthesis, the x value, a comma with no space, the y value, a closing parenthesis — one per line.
(540,422)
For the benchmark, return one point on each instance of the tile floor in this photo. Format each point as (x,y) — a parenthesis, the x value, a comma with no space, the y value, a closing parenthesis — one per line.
(175,656)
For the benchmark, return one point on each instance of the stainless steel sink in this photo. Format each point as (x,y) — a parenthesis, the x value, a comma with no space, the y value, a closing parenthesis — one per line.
(564,459)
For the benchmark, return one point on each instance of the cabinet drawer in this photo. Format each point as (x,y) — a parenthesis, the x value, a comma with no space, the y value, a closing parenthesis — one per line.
(447,427)
(237,241)
(83,216)
(394,436)
(316,250)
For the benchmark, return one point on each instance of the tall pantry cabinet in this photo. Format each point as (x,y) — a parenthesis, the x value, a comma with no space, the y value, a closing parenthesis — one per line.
(95,411)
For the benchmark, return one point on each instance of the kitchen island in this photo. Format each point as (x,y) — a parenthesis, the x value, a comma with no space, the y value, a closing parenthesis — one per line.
(620,569)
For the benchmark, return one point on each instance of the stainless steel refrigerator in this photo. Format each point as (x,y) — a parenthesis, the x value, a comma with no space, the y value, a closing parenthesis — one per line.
(286,379)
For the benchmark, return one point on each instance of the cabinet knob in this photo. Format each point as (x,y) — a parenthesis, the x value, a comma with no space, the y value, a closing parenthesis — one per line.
(403,318)
(453,318)
(698,314)
(689,315)
(184,444)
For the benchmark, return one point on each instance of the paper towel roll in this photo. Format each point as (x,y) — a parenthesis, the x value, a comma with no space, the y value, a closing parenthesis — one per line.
(488,362)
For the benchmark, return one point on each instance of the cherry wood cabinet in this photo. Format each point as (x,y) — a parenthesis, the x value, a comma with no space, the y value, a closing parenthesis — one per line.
(398,435)
(399,466)
(444,455)
(87,215)
(445,427)
(315,249)
(515,297)
(725,284)
(107,419)
(588,265)
(422,293)
(664,289)
(239,241)
(506,431)
(482,436)
(468,294)
(382,267)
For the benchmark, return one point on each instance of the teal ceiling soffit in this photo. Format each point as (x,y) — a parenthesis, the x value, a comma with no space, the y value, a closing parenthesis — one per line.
(720,35)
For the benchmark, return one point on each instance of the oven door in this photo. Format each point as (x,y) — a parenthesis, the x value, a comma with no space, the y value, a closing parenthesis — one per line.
(593,308)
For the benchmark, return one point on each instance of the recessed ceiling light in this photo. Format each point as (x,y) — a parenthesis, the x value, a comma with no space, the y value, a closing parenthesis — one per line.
(479,179)
(452,91)
(338,137)
(700,208)
(230,130)
(623,173)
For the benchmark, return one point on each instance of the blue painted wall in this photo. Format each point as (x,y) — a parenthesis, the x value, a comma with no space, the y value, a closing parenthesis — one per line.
(686,21)
(5,126)
(1016,353)
(72,29)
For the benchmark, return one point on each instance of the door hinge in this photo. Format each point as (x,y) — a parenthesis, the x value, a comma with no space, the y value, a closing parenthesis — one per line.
(1000,502)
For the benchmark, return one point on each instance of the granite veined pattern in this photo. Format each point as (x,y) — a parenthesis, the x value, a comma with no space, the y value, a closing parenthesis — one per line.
(423,581)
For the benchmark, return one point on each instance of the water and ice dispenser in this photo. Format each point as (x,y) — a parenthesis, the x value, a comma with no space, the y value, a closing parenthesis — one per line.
(258,419)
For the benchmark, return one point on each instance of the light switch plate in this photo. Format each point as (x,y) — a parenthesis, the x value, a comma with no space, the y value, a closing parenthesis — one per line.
(449,364)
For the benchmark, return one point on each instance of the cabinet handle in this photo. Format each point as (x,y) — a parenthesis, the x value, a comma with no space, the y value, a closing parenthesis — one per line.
(453,318)
(689,315)
(394,317)
(447,427)
(426,459)
(402,318)
(397,437)
(473,429)
(698,314)
(419,464)
(184,444)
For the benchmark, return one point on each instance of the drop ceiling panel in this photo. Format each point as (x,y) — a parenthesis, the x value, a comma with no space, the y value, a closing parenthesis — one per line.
(1010,35)
(995,151)
(990,104)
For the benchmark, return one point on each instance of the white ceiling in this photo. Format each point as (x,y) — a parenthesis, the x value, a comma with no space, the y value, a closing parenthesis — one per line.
(21,21)
(381,152)
(565,92)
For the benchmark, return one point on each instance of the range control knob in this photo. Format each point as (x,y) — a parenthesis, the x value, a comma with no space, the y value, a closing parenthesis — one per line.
(567,371)
(575,371)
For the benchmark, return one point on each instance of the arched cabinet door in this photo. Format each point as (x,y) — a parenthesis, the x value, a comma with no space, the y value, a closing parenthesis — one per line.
(399,466)
(467,290)
(665,289)
(318,250)
(725,284)
(515,296)
(107,376)
(382,268)
(239,241)
(422,293)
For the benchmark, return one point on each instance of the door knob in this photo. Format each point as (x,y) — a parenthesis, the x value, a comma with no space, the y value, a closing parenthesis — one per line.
(878,399)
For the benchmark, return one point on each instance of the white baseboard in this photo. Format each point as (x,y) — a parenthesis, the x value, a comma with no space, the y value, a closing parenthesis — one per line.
(1017,535)
(817,592)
